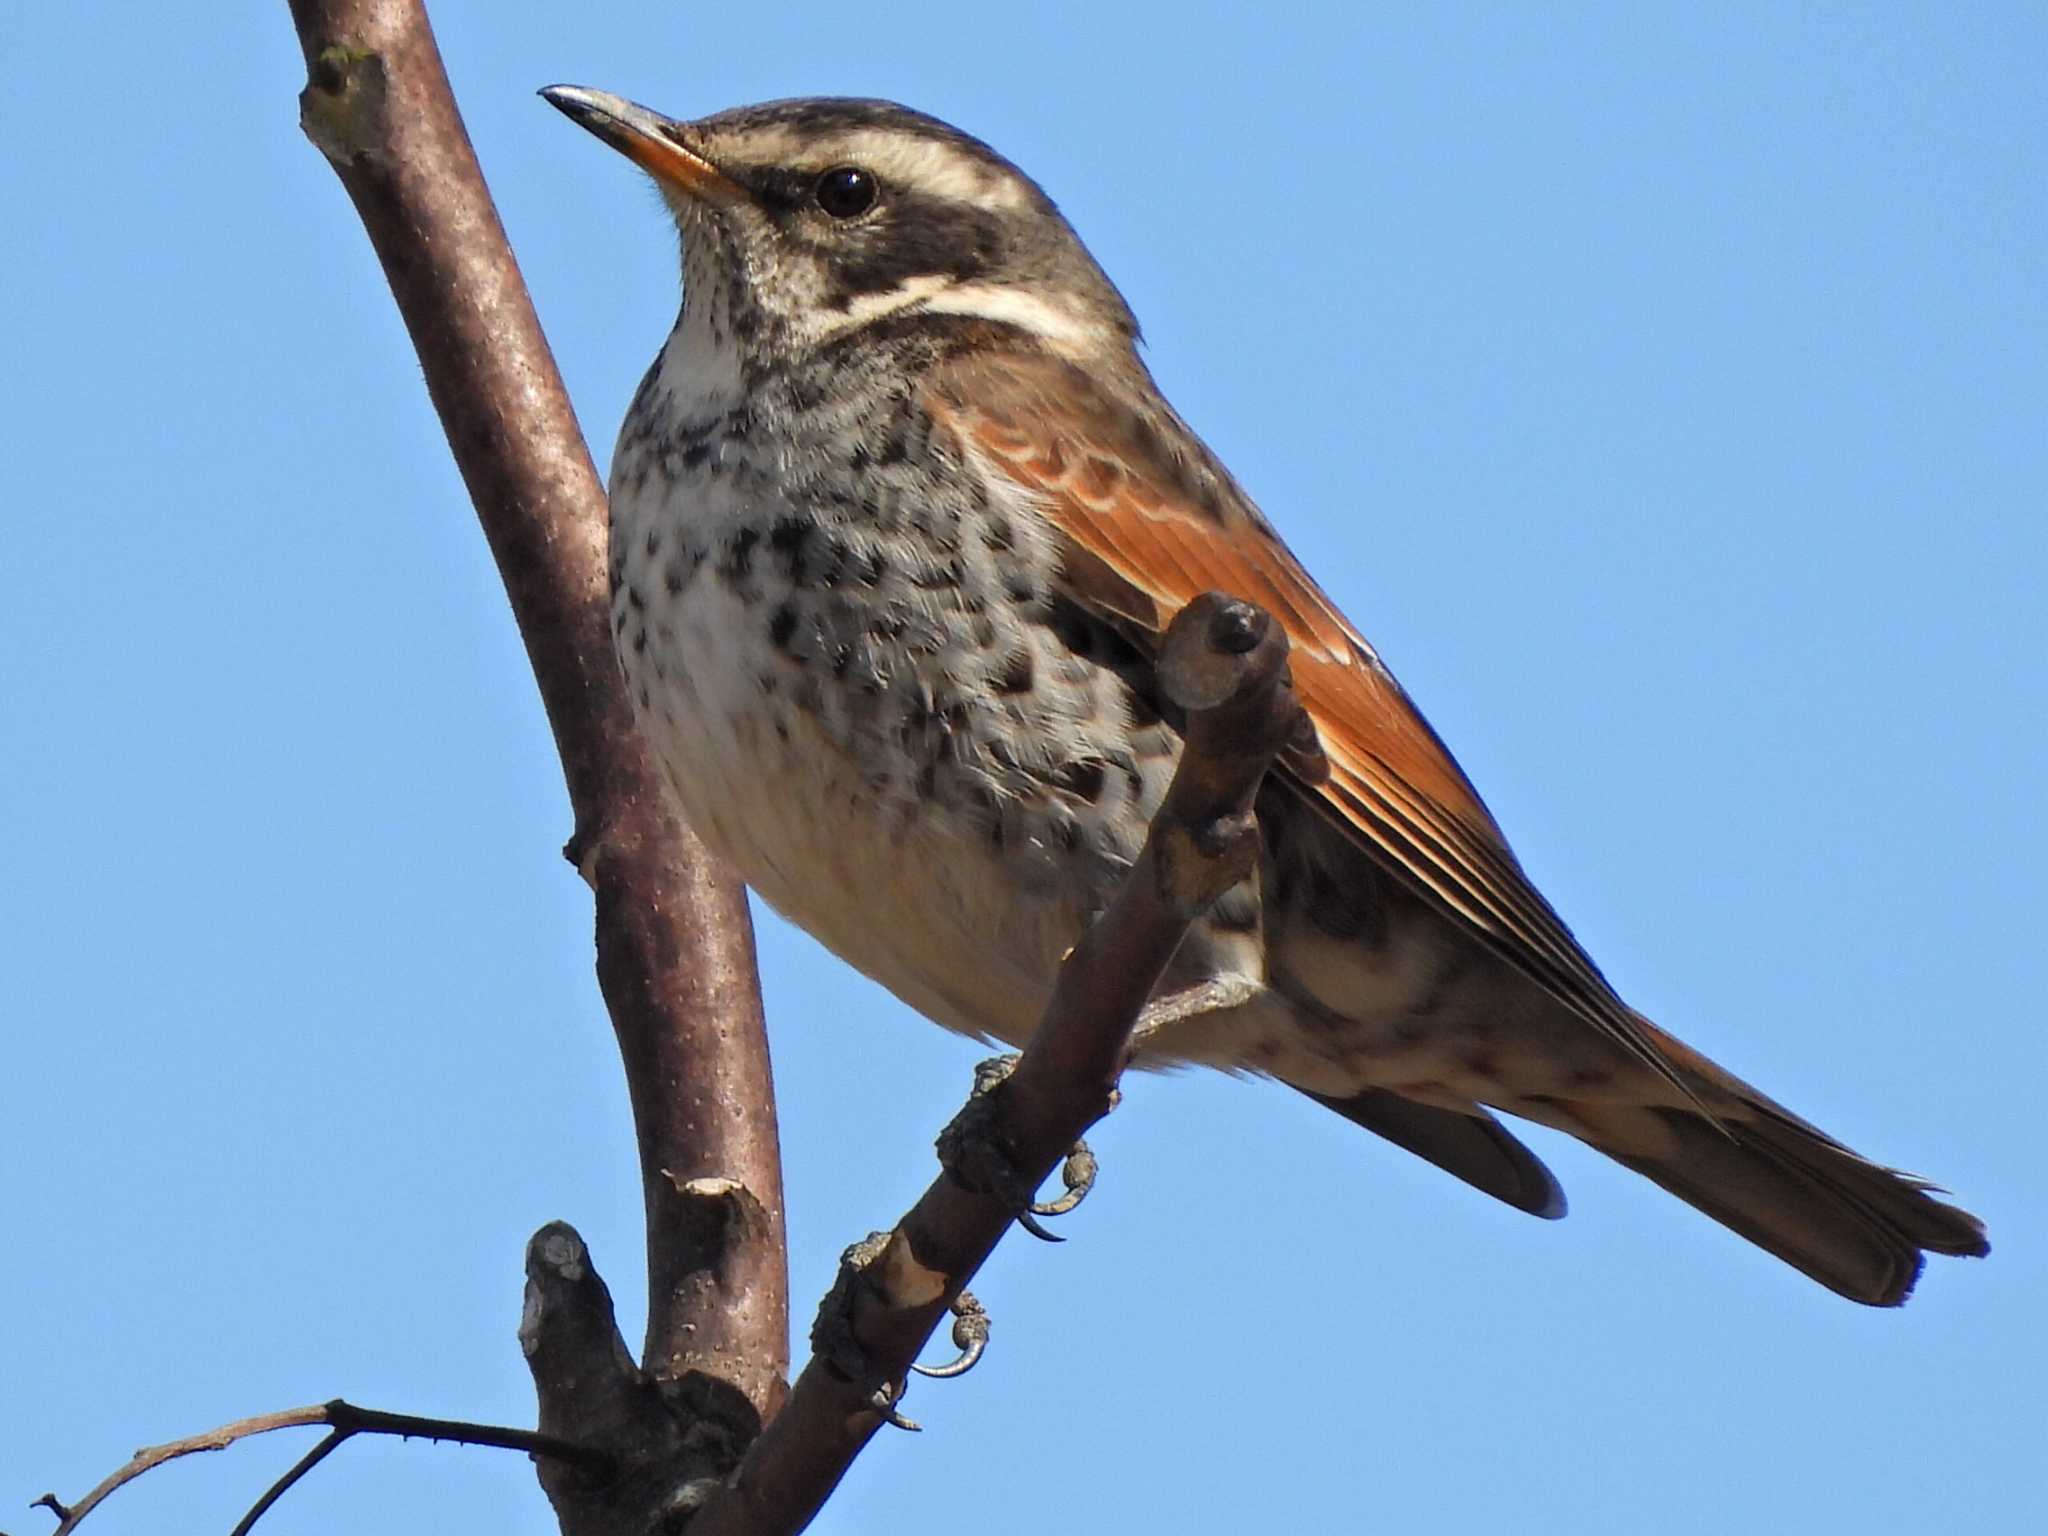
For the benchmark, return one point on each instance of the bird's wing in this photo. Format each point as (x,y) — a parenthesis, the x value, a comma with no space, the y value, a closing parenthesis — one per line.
(1152,521)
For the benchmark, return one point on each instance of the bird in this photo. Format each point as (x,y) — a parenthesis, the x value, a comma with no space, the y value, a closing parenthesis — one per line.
(898,520)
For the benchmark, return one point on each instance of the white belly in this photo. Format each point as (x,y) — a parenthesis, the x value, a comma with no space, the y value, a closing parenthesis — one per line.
(899,887)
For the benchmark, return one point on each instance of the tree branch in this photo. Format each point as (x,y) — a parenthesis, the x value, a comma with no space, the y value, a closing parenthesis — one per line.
(675,945)
(1224,663)
(345,1419)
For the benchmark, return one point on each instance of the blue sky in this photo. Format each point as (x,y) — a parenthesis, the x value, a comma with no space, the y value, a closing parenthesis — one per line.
(1663,391)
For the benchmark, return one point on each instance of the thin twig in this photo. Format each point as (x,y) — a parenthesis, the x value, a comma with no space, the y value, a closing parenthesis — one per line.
(277,1490)
(345,1419)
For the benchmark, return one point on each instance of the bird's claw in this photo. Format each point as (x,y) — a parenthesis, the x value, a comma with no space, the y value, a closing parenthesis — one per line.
(972,1147)
(884,1400)
(1031,1224)
(973,1150)
(970,1337)
(1077,1173)
(832,1337)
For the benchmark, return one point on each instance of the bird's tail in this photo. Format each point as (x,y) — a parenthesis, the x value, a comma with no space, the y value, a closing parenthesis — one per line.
(1857,1227)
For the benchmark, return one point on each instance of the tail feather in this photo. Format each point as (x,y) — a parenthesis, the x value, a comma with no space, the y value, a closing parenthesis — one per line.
(1474,1147)
(1857,1227)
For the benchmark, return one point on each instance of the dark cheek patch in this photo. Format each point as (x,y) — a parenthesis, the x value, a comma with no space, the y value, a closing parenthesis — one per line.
(915,237)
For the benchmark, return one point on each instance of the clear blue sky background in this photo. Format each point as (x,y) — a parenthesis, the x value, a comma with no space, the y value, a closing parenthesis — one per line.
(1663,392)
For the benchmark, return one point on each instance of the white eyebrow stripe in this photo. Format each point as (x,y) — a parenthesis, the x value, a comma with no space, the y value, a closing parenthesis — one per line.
(903,159)
(926,165)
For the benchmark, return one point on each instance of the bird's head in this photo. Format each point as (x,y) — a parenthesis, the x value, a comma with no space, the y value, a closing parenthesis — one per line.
(808,219)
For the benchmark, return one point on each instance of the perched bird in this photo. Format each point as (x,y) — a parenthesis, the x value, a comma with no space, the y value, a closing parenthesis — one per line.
(898,519)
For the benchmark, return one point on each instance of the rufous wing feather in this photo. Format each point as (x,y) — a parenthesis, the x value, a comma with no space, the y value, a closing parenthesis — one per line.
(1152,521)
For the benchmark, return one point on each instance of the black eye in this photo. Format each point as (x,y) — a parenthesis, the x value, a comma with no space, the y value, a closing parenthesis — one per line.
(846,192)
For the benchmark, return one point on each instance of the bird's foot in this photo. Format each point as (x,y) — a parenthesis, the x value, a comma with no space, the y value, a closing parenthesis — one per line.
(832,1337)
(833,1341)
(972,1149)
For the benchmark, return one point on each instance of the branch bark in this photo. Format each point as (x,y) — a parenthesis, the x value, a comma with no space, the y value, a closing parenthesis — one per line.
(674,941)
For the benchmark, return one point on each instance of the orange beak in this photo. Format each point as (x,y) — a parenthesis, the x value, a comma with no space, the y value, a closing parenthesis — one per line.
(649,140)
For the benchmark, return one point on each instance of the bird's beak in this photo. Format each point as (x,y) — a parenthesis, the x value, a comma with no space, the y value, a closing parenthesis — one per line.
(649,140)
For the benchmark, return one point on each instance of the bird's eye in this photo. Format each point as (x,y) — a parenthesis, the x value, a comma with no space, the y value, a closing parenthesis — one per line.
(846,191)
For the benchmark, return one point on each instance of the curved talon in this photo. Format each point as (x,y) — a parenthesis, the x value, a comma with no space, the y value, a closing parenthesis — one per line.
(884,1401)
(1030,1224)
(1078,1174)
(970,1337)
(973,1151)
(951,1368)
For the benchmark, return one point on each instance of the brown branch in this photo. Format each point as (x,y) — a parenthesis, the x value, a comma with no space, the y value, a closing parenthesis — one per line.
(345,1419)
(674,943)
(674,1439)
(1224,663)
